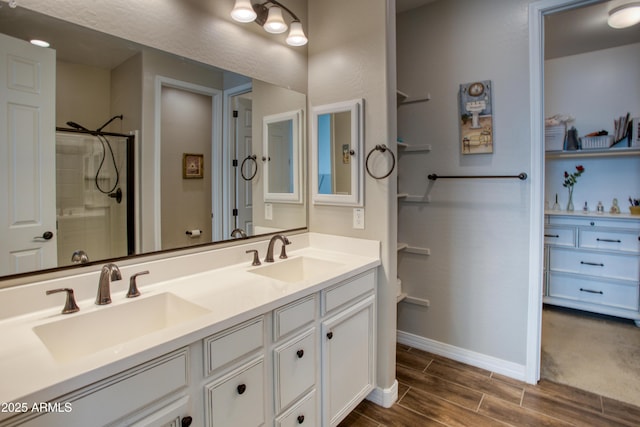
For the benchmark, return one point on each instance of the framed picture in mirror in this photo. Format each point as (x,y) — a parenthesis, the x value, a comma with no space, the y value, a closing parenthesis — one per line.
(192,166)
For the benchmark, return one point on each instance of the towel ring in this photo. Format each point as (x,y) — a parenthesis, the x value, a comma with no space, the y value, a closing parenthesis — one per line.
(382,148)
(253,158)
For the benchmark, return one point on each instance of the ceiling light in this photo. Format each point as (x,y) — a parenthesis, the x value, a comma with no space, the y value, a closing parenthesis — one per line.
(275,22)
(296,35)
(243,11)
(40,43)
(269,15)
(625,15)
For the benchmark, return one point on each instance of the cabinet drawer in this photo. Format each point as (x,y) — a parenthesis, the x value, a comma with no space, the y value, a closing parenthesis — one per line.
(294,316)
(596,221)
(609,240)
(113,398)
(560,236)
(295,363)
(303,413)
(238,398)
(232,344)
(341,294)
(618,295)
(624,267)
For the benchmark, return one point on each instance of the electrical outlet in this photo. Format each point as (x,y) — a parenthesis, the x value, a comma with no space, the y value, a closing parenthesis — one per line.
(268,211)
(358,218)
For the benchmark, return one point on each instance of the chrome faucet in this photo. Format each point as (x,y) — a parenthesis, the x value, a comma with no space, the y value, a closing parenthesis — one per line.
(109,272)
(272,243)
(238,233)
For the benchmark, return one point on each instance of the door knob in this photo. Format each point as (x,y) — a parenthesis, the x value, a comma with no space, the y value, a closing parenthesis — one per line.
(47,235)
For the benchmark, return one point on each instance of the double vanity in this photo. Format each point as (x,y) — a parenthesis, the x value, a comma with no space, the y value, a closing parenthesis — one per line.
(211,341)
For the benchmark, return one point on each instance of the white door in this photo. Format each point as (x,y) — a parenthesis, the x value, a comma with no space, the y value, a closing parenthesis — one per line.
(27,157)
(244,202)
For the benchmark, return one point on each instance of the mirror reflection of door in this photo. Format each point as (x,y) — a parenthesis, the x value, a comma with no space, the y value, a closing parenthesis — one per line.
(280,137)
(243,148)
(186,204)
(334,158)
(27,157)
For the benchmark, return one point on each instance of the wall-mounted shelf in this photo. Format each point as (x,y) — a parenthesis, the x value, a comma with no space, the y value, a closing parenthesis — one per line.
(412,198)
(403,98)
(406,148)
(417,301)
(413,249)
(611,152)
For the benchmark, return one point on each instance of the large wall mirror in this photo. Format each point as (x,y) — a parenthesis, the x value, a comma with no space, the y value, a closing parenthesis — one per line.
(336,145)
(138,127)
(282,157)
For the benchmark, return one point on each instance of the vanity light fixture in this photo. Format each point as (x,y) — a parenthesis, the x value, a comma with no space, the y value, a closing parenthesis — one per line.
(269,16)
(625,15)
(41,43)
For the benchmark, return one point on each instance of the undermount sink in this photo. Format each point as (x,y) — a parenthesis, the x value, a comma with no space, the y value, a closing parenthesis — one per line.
(297,269)
(83,334)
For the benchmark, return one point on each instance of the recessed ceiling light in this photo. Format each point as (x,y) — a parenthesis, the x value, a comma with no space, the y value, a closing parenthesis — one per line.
(40,43)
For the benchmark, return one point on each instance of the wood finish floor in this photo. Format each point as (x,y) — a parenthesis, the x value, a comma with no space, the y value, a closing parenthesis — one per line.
(435,391)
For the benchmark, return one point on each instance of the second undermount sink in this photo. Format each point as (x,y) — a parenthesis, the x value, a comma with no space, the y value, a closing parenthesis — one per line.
(297,269)
(84,334)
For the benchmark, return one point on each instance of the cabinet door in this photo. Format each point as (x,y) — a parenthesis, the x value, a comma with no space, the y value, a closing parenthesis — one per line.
(237,399)
(348,356)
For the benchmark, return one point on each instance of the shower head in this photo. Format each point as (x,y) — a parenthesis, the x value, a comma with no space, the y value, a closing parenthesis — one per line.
(120,116)
(77,126)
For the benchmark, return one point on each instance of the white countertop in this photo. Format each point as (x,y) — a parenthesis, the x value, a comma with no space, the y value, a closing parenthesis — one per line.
(232,294)
(592,214)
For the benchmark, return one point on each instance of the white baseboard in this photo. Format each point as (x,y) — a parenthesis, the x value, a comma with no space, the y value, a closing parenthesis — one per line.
(384,397)
(479,360)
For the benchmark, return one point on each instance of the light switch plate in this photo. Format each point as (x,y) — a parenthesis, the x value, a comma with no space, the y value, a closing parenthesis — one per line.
(358,218)
(268,211)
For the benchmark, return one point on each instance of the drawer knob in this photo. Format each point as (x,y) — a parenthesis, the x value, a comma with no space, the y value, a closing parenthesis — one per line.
(300,353)
(609,240)
(596,264)
(242,388)
(186,421)
(330,335)
(300,419)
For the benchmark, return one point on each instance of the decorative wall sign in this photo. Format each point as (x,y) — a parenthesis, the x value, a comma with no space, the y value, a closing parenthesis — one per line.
(192,165)
(476,118)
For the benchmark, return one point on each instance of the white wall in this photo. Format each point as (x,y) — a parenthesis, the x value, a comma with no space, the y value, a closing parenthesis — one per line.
(476,277)
(594,88)
(349,57)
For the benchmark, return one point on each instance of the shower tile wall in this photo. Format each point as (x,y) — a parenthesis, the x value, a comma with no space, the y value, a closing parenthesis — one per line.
(83,214)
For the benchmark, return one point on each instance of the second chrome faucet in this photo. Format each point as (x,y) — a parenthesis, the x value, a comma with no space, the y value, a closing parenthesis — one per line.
(109,272)
(272,243)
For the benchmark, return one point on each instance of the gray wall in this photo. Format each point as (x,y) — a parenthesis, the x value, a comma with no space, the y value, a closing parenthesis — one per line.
(476,277)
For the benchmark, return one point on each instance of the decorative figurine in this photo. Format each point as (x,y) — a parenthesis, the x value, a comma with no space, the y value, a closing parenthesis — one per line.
(615,209)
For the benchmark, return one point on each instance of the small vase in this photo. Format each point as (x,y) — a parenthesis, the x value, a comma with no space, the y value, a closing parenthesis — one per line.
(570,202)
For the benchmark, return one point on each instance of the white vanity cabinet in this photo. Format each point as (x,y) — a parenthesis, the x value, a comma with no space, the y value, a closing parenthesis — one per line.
(593,264)
(152,394)
(348,346)
(308,362)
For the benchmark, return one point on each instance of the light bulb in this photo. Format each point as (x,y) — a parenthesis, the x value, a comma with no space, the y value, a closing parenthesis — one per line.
(624,16)
(296,35)
(275,22)
(243,11)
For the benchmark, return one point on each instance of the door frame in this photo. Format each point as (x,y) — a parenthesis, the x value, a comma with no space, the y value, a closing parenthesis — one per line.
(227,167)
(216,152)
(537,11)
